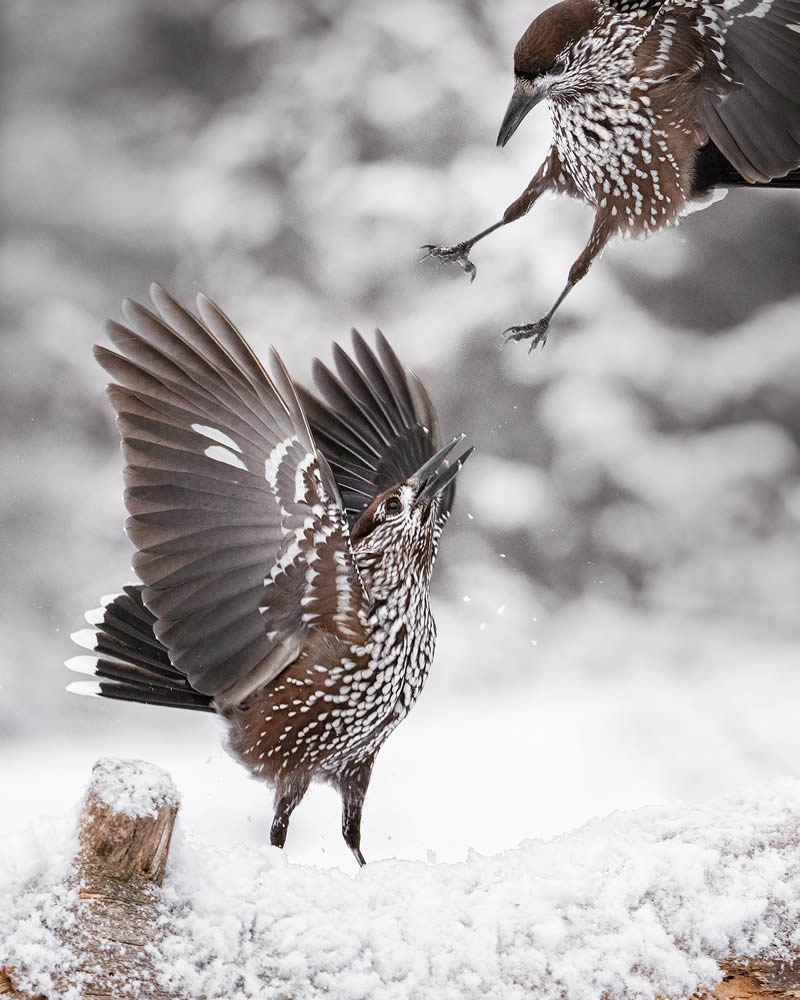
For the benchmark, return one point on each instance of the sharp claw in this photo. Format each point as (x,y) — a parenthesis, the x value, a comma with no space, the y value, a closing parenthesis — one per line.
(535,332)
(458,254)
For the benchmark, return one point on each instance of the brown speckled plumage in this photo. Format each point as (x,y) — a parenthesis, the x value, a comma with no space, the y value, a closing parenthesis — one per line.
(285,544)
(654,103)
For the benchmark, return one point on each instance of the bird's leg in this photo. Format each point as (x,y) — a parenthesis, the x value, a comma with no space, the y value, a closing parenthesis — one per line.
(353,784)
(537,332)
(459,253)
(287,797)
(538,184)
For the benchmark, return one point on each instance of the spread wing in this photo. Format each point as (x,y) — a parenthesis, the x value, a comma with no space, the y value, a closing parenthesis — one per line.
(373,421)
(746,58)
(241,540)
(756,123)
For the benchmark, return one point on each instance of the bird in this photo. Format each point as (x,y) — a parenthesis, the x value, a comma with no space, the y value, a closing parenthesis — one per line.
(654,105)
(284,543)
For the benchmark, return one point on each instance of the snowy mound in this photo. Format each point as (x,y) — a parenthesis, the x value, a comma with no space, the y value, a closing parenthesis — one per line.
(133,787)
(639,905)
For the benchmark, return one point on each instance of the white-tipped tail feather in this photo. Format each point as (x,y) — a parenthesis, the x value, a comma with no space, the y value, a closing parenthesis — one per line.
(89,689)
(82,665)
(129,661)
(86,638)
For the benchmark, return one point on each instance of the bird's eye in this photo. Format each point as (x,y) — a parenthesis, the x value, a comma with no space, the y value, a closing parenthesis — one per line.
(393,506)
(558,67)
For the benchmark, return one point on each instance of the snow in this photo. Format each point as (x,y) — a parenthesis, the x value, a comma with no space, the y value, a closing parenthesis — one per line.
(612,710)
(638,905)
(35,918)
(633,504)
(133,787)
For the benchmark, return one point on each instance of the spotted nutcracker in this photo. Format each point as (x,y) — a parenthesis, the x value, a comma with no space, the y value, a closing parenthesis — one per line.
(654,103)
(284,544)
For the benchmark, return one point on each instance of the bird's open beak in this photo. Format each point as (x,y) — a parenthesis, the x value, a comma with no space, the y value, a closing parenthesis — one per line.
(519,106)
(437,473)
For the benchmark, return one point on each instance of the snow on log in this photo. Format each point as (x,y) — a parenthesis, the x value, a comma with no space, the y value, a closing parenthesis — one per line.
(127,822)
(125,833)
(111,907)
(657,904)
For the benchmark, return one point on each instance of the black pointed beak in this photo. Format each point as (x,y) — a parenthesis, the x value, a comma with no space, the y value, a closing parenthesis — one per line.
(518,108)
(437,473)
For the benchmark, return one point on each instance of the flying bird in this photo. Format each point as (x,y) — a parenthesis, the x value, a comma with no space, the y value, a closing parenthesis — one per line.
(654,104)
(284,543)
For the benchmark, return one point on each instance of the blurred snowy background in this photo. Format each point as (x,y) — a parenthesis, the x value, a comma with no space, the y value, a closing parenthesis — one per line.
(619,587)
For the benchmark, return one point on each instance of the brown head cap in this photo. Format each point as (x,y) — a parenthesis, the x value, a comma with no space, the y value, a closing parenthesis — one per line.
(554,30)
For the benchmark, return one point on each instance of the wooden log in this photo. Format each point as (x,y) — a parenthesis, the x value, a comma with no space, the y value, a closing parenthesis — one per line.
(125,833)
(772,981)
(760,981)
(9,991)
(127,823)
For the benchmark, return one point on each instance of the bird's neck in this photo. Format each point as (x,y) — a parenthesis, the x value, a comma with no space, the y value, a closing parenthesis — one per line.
(604,68)
(398,579)
(402,634)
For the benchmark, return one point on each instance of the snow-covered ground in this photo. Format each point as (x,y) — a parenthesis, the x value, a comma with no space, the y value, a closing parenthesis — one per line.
(617,711)
(638,905)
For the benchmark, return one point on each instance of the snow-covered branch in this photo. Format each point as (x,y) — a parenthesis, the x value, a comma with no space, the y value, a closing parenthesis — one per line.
(656,903)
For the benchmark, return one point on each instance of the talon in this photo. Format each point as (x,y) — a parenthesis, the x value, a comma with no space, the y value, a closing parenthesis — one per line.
(535,332)
(458,254)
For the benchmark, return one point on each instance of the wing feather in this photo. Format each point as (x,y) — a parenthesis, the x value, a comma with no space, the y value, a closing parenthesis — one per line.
(748,83)
(230,504)
(373,422)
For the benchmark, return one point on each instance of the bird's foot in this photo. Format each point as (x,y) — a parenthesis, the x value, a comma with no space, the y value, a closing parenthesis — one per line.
(458,254)
(535,332)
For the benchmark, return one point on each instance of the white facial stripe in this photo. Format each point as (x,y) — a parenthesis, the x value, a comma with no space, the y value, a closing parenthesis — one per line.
(220,454)
(217,435)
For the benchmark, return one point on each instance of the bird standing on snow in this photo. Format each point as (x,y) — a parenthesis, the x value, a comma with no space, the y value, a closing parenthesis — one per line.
(285,545)
(653,103)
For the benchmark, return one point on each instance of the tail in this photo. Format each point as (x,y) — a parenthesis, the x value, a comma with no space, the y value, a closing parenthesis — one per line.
(129,662)
(712,170)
